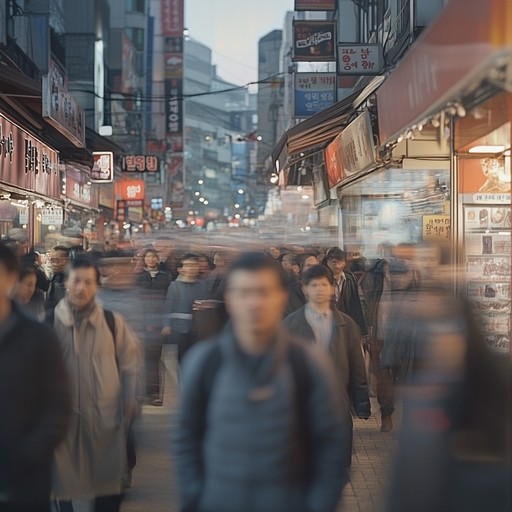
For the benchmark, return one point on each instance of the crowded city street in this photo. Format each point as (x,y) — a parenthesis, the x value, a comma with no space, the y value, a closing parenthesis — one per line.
(255,256)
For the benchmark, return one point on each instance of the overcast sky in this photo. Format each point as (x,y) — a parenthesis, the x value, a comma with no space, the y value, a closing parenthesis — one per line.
(231,28)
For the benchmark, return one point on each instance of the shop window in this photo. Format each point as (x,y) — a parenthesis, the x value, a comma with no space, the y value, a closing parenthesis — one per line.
(396,206)
(483,144)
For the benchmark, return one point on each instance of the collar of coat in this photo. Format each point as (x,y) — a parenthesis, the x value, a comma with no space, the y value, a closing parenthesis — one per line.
(65,315)
(271,359)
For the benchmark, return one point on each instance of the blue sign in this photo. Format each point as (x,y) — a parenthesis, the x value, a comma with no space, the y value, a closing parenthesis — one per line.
(314,92)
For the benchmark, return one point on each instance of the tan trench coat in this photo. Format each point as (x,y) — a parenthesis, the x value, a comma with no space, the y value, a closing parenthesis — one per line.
(90,461)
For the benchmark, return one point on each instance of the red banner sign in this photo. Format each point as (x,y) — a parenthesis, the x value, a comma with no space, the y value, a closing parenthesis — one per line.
(172,18)
(130,190)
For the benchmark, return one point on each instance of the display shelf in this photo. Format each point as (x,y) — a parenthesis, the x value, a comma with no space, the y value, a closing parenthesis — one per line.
(489,270)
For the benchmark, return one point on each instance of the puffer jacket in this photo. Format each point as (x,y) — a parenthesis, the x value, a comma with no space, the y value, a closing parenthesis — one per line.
(234,440)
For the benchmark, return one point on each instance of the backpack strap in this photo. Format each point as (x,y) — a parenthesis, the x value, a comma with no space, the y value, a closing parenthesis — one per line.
(111,322)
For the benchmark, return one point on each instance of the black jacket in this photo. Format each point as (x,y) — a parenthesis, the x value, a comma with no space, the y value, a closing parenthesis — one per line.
(345,349)
(56,292)
(151,292)
(349,302)
(34,405)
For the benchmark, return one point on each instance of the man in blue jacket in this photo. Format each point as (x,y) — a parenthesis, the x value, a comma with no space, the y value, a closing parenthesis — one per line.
(259,428)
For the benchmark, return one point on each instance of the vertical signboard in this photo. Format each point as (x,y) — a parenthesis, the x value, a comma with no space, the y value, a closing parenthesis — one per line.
(172,14)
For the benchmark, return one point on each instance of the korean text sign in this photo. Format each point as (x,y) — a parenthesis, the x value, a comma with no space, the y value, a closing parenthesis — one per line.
(359,59)
(314,92)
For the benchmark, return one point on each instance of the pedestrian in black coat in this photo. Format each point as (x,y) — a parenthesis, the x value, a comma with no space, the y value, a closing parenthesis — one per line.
(346,288)
(34,401)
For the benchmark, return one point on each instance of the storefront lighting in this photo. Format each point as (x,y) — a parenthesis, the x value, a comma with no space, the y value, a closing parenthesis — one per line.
(436,122)
(206,202)
(278,166)
(400,139)
(190,212)
(200,182)
(237,215)
(299,189)
(274,178)
(237,205)
(127,226)
(240,191)
(306,196)
(488,149)
(197,193)
(201,199)
(461,111)
(259,138)
(168,208)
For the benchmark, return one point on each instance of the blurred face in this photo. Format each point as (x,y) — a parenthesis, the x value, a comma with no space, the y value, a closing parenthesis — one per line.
(151,260)
(274,252)
(58,261)
(7,282)
(25,288)
(189,270)
(286,264)
(311,261)
(319,291)
(256,300)
(336,266)
(82,287)
(204,266)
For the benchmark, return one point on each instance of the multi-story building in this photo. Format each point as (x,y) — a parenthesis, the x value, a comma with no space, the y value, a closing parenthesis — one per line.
(219,133)
(417,154)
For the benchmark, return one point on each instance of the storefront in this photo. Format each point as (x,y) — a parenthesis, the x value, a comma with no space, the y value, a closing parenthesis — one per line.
(29,185)
(82,208)
(444,126)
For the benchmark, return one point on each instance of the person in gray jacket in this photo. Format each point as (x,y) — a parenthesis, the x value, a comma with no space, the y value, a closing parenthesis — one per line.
(259,427)
(336,333)
(181,295)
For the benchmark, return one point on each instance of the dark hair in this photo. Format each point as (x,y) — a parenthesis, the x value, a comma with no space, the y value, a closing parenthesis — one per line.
(84,262)
(187,256)
(257,261)
(292,258)
(26,270)
(61,248)
(305,257)
(148,251)
(335,253)
(317,272)
(9,258)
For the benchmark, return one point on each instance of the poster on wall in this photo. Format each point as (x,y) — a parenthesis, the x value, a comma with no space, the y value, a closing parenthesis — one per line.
(314,92)
(333,163)
(436,227)
(485,180)
(314,40)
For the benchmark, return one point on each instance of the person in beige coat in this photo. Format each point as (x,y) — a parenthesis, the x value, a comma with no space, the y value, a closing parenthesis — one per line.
(89,464)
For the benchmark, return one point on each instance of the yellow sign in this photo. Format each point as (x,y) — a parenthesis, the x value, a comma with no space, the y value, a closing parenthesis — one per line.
(436,227)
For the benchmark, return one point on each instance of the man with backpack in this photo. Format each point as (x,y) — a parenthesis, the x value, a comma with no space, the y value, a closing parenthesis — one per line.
(102,356)
(259,428)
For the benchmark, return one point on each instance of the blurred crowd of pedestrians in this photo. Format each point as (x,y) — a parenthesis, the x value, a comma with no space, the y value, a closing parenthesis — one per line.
(298,339)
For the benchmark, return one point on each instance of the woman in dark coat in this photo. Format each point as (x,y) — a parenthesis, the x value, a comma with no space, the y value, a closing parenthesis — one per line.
(152,284)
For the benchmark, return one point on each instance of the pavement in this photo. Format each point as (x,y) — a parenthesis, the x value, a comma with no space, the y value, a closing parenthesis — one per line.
(154,485)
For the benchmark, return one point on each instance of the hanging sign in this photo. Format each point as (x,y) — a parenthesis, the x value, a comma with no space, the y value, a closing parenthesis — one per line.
(360,59)
(314,92)
(314,40)
(103,168)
